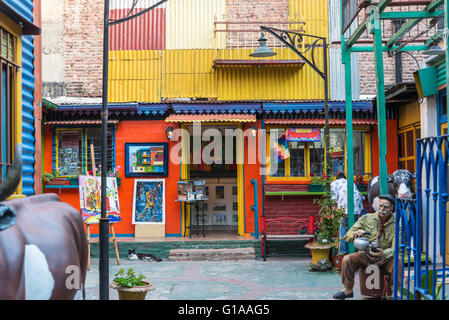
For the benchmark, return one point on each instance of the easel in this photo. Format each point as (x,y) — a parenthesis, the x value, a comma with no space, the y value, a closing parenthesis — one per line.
(88,224)
(114,241)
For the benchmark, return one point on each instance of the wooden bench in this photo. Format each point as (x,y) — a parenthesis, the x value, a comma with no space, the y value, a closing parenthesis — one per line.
(285,228)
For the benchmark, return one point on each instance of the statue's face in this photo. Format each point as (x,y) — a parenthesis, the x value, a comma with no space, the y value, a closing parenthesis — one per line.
(385,209)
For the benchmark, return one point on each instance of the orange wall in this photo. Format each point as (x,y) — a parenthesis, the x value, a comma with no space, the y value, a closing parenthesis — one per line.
(251,171)
(392,147)
(131,131)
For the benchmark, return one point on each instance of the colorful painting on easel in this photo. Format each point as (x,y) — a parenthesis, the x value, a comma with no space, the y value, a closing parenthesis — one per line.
(90,199)
(149,201)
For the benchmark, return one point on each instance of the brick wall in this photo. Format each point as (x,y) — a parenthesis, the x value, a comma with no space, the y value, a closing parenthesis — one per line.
(83,41)
(409,65)
(253,10)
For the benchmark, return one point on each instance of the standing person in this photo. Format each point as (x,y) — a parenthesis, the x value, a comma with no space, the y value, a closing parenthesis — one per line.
(381,226)
(339,194)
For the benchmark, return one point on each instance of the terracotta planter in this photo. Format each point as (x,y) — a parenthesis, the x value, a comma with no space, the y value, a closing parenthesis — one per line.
(134,293)
(336,262)
(58,181)
(319,251)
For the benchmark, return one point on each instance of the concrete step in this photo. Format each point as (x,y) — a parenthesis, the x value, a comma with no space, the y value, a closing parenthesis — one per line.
(212,254)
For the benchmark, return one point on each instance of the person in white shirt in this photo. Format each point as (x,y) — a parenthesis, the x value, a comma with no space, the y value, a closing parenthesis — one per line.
(339,192)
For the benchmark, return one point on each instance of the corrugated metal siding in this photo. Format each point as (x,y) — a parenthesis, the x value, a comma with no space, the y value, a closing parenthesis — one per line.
(22,7)
(146,32)
(269,83)
(337,75)
(25,9)
(314,13)
(134,76)
(190,24)
(335,22)
(188,73)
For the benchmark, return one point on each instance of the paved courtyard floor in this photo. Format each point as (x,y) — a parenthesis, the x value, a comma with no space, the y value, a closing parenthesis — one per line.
(274,279)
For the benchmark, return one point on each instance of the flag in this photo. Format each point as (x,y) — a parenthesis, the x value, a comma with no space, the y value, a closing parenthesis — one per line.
(281,148)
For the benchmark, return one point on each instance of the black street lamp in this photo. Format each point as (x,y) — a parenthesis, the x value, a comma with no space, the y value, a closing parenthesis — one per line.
(104,221)
(293,39)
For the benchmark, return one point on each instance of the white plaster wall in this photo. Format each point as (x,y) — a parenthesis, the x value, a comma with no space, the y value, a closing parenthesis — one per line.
(53,60)
(429,128)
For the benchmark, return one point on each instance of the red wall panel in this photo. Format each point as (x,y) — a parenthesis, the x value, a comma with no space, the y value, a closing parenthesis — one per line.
(146,32)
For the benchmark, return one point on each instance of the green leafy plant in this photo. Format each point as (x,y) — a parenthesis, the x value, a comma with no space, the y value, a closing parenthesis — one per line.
(317,180)
(322,265)
(128,279)
(330,216)
(48,176)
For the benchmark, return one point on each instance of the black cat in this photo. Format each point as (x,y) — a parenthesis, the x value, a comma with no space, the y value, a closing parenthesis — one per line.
(132,255)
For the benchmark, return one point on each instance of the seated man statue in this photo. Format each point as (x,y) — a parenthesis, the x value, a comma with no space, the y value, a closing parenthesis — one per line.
(380,226)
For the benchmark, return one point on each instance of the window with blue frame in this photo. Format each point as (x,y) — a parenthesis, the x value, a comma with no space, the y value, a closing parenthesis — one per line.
(7,98)
(73,152)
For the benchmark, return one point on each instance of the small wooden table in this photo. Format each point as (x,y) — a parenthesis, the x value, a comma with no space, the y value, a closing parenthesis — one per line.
(114,241)
(199,226)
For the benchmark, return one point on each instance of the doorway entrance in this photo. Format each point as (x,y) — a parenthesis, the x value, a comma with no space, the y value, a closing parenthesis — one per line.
(214,160)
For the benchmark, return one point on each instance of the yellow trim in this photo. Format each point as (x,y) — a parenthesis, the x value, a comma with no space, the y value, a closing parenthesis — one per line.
(307,177)
(57,130)
(185,174)
(403,130)
(15,30)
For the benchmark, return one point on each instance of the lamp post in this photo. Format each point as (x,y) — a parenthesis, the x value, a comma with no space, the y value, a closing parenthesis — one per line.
(292,39)
(104,221)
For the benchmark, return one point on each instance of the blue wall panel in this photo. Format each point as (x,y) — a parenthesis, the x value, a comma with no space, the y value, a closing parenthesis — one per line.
(25,9)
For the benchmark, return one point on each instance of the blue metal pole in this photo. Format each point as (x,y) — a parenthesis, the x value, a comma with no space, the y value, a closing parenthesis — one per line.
(255,208)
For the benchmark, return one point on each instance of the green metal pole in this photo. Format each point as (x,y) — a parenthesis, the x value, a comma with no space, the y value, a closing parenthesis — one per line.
(381,118)
(446,35)
(346,58)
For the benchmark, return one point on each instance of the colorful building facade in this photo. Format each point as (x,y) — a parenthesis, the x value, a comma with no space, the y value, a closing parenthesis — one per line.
(179,66)
(20,89)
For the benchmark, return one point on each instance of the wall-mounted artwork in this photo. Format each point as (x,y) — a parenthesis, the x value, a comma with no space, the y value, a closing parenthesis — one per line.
(146,159)
(90,199)
(149,201)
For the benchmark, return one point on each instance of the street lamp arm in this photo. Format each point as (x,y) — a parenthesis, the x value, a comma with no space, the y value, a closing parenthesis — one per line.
(114,22)
(289,38)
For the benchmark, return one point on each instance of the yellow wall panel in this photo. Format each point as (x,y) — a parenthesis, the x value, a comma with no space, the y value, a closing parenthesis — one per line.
(134,76)
(314,13)
(188,73)
(268,83)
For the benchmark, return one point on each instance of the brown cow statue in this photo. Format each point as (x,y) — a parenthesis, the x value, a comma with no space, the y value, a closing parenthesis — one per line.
(43,245)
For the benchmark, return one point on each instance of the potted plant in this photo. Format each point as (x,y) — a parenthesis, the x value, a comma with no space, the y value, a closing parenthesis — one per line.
(327,233)
(130,286)
(360,183)
(335,152)
(317,184)
(52,178)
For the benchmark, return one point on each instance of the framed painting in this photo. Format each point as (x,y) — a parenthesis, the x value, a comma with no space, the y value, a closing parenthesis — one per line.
(90,199)
(149,201)
(146,159)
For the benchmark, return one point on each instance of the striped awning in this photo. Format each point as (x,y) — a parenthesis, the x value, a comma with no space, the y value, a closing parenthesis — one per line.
(320,121)
(211,118)
(78,122)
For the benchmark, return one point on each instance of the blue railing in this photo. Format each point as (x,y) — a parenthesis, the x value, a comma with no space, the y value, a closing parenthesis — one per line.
(426,228)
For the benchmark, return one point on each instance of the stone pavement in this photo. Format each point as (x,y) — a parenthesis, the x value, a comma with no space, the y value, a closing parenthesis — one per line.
(274,279)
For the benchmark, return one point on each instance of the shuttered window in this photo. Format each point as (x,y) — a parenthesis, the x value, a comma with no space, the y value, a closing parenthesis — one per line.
(8,72)
(73,155)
